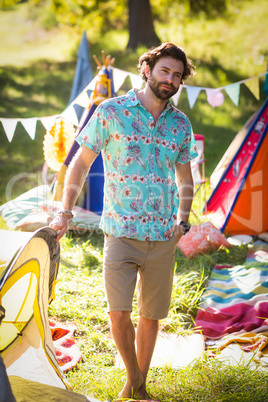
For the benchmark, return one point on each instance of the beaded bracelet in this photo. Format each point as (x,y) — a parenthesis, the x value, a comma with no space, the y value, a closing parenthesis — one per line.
(66,213)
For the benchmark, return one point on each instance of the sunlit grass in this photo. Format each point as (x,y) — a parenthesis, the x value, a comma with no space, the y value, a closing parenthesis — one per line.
(80,298)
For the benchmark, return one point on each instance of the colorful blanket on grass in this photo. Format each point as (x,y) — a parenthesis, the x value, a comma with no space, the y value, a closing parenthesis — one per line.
(67,352)
(236,299)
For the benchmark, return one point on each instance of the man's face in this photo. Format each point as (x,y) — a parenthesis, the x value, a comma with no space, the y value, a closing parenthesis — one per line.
(165,78)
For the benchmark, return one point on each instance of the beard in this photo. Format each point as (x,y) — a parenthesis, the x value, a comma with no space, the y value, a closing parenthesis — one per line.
(161,93)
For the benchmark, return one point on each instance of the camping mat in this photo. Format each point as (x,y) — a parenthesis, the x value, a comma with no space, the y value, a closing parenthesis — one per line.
(236,299)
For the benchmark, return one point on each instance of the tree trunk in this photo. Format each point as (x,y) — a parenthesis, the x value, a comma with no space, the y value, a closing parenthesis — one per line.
(141,26)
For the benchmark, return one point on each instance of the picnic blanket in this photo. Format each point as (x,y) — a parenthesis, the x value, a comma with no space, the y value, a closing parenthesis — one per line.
(67,352)
(236,300)
(36,208)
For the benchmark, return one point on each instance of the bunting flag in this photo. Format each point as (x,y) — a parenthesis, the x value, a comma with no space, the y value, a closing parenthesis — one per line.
(215,97)
(136,80)
(192,93)
(48,121)
(82,99)
(30,126)
(253,86)
(176,97)
(9,126)
(70,115)
(233,91)
(119,77)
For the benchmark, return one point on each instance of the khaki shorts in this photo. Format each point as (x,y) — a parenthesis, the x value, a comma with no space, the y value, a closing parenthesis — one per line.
(123,259)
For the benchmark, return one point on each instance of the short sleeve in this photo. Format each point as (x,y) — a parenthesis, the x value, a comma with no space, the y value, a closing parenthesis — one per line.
(95,134)
(188,150)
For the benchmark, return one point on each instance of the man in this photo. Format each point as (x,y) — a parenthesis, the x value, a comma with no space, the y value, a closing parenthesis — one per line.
(147,146)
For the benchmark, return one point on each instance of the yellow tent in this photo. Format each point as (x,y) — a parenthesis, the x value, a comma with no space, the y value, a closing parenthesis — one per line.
(29,264)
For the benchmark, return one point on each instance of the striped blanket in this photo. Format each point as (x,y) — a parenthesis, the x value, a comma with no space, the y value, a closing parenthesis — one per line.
(236,299)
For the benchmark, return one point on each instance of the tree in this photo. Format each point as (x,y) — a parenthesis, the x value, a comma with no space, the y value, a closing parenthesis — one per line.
(141,25)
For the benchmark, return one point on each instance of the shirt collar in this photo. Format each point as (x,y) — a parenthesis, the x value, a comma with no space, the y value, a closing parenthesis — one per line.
(132,100)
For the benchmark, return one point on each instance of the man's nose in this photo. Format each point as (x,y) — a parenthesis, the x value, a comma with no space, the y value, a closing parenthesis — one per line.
(169,78)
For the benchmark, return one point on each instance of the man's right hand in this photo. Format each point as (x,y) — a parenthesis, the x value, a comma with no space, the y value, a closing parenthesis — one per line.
(60,224)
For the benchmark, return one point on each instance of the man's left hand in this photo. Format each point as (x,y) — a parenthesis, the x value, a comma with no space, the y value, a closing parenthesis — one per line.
(175,230)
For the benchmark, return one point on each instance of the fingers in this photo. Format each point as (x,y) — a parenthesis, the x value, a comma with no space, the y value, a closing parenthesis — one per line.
(168,234)
(60,224)
(60,234)
(175,230)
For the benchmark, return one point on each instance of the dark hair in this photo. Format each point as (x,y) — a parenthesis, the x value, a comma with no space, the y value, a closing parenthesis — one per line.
(151,57)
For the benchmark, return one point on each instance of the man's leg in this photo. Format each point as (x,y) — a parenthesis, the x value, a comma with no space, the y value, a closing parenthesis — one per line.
(123,333)
(146,338)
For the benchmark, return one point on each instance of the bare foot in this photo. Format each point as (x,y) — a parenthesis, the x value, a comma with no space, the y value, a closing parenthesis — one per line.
(130,389)
(143,395)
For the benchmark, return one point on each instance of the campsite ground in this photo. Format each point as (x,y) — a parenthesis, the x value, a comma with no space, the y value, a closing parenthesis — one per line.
(36,72)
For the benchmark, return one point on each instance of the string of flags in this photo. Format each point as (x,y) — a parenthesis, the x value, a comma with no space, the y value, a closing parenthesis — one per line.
(215,97)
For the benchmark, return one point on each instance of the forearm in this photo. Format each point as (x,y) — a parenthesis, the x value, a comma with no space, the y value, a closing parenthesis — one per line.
(76,176)
(186,199)
(73,184)
(185,189)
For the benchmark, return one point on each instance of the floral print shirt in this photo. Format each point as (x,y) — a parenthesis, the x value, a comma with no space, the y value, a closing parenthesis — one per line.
(140,195)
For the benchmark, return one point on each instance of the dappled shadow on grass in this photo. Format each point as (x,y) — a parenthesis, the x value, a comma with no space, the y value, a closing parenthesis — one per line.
(39,90)
(36,90)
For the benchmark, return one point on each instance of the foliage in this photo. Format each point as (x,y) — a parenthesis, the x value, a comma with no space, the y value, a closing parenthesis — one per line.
(98,15)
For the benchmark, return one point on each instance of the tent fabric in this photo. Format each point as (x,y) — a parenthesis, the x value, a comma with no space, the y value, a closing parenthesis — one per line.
(230,152)
(237,204)
(83,72)
(28,276)
(31,391)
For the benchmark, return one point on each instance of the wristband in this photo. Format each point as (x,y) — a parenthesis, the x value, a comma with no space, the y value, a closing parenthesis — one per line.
(186,226)
(66,213)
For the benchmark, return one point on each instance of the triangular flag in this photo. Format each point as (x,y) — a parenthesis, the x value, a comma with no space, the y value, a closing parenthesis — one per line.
(136,80)
(192,93)
(119,77)
(9,126)
(48,121)
(70,115)
(253,86)
(82,99)
(233,91)
(30,126)
(92,84)
(214,97)
(176,97)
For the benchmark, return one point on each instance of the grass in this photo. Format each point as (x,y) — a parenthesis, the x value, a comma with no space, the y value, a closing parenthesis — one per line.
(37,66)
(80,298)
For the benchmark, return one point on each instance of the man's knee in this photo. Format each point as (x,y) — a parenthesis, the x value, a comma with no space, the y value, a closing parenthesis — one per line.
(119,317)
(150,323)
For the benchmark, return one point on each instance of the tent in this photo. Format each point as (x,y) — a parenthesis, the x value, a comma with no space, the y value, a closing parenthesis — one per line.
(93,194)
(29,264)
(83,73)
(237,204)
